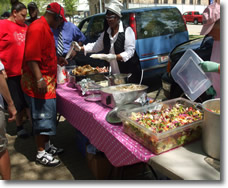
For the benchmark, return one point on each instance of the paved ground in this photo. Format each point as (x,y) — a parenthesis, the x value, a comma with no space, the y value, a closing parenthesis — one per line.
(23,151)
(194,29)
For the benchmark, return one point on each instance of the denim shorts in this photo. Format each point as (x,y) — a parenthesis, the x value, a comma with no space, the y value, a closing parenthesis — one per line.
(3,139)
(43,113)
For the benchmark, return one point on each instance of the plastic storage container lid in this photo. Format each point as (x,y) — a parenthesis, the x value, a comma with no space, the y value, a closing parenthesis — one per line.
(189,76)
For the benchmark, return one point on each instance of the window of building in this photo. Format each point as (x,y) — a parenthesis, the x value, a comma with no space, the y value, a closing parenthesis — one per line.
(198,2)
(174,1)
(165,1)
(183,1)
(155,1)
(191,2)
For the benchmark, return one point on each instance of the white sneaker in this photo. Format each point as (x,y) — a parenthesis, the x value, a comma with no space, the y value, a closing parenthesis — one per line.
(54,150)
(47,160)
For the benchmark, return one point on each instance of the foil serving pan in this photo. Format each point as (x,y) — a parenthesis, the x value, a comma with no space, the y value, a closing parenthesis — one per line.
(87,87)
(113,96)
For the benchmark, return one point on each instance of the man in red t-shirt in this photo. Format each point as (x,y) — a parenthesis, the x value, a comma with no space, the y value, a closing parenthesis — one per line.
(39,81)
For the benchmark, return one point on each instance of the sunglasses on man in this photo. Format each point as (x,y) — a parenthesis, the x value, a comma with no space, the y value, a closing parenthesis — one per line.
(112,17)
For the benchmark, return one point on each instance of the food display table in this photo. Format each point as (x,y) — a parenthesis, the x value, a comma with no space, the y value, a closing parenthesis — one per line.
(89,119)
(186,162)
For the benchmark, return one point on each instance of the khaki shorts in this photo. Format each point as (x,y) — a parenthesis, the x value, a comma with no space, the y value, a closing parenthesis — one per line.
(3,139)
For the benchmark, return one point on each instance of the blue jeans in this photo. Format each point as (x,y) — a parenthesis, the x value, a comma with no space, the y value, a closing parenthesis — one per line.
(43,114)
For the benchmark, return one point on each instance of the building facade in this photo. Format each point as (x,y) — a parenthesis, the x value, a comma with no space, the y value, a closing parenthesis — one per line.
(97,6)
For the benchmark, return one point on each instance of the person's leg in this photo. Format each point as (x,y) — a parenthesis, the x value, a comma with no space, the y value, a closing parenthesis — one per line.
(51,109)
(5,168)
(19,102)
(4,155)
(41,140)
(21,132)
(42,127)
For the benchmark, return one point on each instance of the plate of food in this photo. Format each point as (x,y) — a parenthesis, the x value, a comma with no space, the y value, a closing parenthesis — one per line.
(87,71)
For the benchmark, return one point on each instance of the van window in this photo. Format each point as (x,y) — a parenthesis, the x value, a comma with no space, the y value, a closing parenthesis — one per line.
(84,26)
(159,22)
(125,19)
(97,27)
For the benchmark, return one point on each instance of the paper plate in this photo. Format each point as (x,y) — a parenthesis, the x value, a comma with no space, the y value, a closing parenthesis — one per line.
(112,117)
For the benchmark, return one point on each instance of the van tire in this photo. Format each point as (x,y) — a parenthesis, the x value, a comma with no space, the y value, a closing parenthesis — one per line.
(196,22)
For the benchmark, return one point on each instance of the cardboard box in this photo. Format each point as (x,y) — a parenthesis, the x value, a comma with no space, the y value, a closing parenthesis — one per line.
(99,165)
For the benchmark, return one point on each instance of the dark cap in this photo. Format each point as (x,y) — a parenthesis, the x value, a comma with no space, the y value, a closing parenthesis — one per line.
(32,5)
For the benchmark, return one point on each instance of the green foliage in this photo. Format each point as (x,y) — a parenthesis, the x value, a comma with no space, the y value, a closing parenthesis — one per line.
(191,37)
(69,7)
(4,6)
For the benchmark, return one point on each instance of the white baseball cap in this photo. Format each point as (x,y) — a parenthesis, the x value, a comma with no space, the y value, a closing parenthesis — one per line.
(114,6)
(210,15)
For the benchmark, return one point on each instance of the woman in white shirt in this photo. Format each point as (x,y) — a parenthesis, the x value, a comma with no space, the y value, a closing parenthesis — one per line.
(118,44)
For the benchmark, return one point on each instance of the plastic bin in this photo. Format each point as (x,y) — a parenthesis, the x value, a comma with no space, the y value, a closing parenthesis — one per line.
(189,76)
(159,142)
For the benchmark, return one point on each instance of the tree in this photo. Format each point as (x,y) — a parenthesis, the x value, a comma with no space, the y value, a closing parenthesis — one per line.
(69,7)
(4,6)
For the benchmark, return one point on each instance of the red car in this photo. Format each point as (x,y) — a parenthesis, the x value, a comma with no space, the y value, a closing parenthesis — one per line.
(193,16)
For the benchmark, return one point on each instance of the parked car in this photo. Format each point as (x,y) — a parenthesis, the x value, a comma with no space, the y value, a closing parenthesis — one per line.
(157,30)
(203,48)
(193,16)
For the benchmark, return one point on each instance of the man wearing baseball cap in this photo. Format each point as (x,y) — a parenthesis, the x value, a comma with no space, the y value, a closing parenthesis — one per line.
(39,81)
(56,9)
(211,26)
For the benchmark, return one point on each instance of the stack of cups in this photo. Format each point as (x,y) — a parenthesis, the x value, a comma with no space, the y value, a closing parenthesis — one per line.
(61,75)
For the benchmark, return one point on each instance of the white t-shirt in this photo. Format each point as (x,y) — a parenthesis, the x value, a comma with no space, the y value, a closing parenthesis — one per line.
(1,99)
(129,46)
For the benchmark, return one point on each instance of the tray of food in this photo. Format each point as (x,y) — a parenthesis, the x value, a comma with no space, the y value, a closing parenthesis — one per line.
(86,71)
(164,126)
(118,95)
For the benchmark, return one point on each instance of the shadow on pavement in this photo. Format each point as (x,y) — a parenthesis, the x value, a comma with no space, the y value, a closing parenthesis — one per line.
(23,152)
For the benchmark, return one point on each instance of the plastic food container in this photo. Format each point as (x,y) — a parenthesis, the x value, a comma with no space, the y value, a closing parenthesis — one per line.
(189,76)
(164,141)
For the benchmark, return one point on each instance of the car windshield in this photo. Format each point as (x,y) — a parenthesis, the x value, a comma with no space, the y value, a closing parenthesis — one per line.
(159,22)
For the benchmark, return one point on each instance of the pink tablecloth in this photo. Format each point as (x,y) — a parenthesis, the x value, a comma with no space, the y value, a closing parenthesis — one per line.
(89,118)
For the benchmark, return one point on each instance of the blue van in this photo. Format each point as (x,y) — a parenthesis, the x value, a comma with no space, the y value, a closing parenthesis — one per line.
(157,30)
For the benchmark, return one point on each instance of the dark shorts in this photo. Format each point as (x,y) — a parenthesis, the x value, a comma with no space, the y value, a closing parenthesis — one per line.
(43,113)
(14,85)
